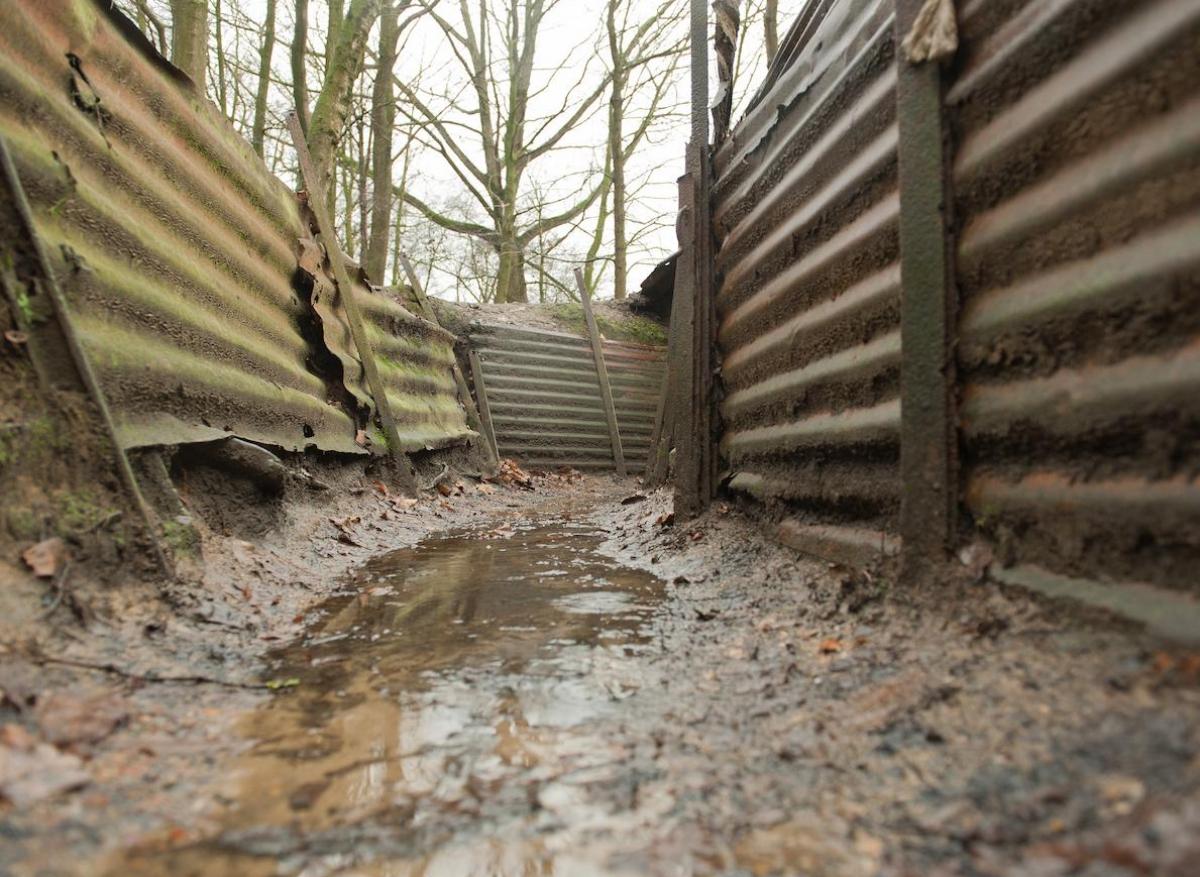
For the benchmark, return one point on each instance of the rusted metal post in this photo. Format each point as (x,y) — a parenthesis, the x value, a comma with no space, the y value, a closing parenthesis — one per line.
(927,431)
(79,376)
(606,396)
(696,457)
(316,202)
(485,409)
(464,394)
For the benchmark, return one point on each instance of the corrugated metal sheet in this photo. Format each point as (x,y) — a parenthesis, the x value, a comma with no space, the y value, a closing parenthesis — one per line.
(545,401)
(1075,127)
(179,251)
(1078,192)
(806,216)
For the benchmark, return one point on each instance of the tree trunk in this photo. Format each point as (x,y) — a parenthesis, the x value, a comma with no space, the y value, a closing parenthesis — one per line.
(771,26)
(328,122)
(616,148)
(383,120)
(219,34)
(510,280)
(299,67)
(259,131)
(620,243)
(337,15)
(189,39)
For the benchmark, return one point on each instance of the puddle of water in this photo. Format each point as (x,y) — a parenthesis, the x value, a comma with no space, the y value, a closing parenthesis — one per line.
(445,709)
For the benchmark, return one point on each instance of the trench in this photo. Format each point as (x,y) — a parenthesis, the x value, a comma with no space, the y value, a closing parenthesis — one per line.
(440,716)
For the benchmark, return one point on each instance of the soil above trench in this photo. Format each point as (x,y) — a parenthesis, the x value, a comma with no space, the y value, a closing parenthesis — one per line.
(697,700)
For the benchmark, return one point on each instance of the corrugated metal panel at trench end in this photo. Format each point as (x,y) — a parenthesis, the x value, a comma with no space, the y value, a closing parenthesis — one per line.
(178,250)
(544,396)
(806,212)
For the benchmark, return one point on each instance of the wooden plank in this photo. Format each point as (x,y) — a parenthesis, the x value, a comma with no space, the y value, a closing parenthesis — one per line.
(316,203)
(464,394)
(485,410)
(610,411)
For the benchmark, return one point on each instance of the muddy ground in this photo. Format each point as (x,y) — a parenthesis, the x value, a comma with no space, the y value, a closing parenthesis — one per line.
(660,699)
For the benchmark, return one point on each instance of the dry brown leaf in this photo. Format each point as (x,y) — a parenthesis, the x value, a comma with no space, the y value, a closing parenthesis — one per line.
(829,646)
(46,558)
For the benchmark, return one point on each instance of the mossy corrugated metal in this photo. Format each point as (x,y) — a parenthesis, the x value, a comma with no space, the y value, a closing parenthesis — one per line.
(177,249)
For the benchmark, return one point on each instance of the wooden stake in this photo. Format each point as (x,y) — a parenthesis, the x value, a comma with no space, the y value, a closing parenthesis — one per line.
(316,203)
(610,410)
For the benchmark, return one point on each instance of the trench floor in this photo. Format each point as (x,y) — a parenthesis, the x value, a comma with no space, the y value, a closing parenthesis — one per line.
(568,682)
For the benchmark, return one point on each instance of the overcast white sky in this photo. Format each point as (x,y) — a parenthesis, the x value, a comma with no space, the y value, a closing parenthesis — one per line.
(567,54)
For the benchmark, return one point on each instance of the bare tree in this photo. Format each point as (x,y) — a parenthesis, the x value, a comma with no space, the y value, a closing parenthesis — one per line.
(771,29)
(486,134)
(632,48)
(258,131)
(189,38)
(299,53)
(345,61)
(383,121)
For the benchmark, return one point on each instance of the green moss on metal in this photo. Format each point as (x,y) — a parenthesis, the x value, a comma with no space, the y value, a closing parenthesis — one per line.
(181,539)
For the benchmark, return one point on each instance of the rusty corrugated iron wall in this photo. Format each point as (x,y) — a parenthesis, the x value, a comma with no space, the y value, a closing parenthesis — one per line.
(179,253)
(806,214)
(1074,135)
(545,403)
(1077,180)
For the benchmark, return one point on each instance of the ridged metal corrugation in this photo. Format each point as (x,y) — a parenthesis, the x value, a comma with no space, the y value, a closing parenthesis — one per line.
(545,401)
(806,215)
(1077,182)
(175,246)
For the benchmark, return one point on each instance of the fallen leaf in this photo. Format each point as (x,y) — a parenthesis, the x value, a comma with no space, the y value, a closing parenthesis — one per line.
(16,338)
(485,489)
(276,684)
(695,535)
(381,487)
(404,503)
(829,646)
(444,489)
(666,519)
(46,557)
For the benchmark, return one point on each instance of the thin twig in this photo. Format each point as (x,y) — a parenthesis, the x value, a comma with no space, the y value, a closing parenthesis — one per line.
(42,659)
(60,588)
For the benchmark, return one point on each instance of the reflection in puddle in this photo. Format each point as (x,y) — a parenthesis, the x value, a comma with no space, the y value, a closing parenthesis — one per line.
(443,708)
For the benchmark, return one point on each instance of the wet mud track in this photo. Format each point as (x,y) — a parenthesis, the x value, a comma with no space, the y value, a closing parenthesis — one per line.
(443,717)
(603,691)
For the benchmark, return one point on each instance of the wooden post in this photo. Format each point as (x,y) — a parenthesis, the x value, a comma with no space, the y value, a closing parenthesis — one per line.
(485,410)
(78,375)
(694,399)
(606,397)
(316,203)
(464,394)
(927,427)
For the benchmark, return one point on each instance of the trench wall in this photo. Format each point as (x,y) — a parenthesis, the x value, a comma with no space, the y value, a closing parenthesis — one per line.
(1074,136)
(543,396)
(199,293)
